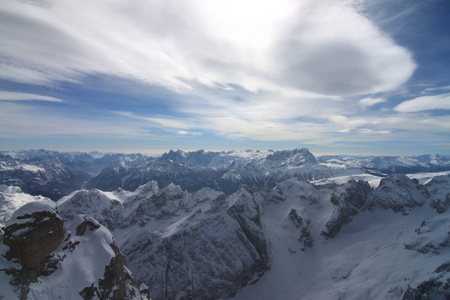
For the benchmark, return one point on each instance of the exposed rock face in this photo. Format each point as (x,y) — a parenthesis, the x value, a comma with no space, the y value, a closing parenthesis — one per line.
(33,235)
(93,203)
(116,282)
(206,257)
(35,245)
(399,193)
(437,287)
(350,199)
(438,189)
(302,223)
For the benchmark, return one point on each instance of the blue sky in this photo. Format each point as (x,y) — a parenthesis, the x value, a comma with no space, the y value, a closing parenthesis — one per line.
(334,76)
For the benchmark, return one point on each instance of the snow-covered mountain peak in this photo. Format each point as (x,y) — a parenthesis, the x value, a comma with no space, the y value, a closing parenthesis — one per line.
(399,193)
(198,158)
(295,188)
(295,156)
(150,187)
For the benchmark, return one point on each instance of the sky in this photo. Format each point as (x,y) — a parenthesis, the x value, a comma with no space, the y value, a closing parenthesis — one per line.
(333,76)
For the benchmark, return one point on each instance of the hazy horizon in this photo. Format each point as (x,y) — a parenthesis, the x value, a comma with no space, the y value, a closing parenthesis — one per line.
(156,152)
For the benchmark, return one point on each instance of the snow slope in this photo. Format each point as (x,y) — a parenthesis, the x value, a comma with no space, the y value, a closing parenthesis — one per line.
(380,254)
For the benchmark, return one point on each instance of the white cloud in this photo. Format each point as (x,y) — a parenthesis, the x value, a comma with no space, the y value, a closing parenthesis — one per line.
(370,101)
(184,132)
(264,70)
(425,103)
(12,96)
(437,89)
(162,122)
(364,131)
(319,46)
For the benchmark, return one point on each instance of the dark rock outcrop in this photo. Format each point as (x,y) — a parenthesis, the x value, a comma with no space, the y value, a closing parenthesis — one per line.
(32,235)
(350,199)
(37,245)
(116,282)
(302,224)
(437,287)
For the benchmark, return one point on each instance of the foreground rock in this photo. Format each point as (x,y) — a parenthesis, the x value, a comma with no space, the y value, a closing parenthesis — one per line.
(42,260)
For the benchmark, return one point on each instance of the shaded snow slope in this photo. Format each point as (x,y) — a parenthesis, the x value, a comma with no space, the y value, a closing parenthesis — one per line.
(377,254)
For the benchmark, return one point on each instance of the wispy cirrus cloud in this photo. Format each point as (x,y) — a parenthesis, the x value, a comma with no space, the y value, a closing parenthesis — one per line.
(161,121)
(425,103)
(13,96)
(370,101)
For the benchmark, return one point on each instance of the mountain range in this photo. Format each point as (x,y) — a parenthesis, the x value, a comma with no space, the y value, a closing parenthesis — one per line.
(222,225)
(55,174)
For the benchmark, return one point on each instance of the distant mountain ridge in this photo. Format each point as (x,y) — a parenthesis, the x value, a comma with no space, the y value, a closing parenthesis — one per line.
(55,174)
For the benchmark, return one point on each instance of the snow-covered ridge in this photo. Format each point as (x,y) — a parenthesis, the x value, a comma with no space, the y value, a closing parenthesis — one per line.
(206,220)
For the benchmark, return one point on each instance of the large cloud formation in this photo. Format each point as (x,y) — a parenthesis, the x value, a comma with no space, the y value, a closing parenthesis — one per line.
(319,46)
(314,71)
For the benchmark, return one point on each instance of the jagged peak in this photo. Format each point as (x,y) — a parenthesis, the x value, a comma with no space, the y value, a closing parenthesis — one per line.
(150,187)
(285,154)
